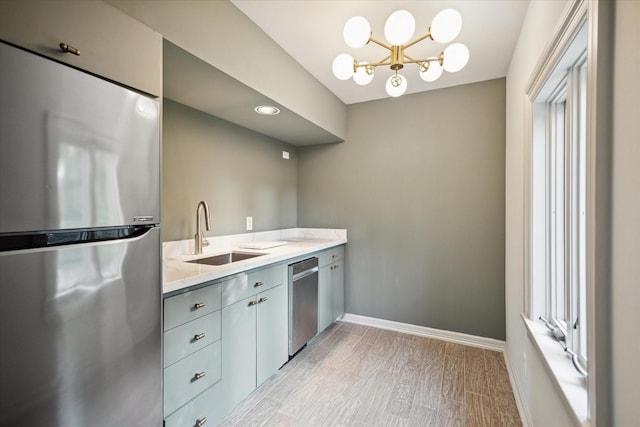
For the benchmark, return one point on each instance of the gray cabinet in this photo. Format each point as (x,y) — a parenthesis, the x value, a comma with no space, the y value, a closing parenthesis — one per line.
(111,43)
(330,286)
(254,332)
(192,356)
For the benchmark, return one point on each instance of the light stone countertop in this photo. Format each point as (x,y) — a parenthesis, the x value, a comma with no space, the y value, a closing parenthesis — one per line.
(179,274)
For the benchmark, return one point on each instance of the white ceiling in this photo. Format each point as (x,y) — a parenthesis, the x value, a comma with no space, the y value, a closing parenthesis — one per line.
(311,32)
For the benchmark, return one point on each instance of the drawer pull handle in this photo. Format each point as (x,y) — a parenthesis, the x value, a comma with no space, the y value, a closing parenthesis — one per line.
(261,300)
(258,284)
(201,421)
(69,49)
(198,305)
(199,375)
(252,303)
(198,337)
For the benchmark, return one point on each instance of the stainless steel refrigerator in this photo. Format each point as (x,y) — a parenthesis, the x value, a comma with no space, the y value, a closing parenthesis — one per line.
(80,261)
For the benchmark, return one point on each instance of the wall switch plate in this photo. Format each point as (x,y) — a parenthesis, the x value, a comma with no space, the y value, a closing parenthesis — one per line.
(249,223)
(285,155)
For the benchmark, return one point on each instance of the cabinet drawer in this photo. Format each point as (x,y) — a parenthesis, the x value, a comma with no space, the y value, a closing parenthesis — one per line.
(190,376)
(205,408)
(331,255)
(190,337)
(244,286)
(185,307)
(267,278)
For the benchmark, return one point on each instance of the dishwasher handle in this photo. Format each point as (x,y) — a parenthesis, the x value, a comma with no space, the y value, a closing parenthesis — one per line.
(304,274)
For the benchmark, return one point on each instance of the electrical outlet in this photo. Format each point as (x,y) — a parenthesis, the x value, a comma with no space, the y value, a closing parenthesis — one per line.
(249,223)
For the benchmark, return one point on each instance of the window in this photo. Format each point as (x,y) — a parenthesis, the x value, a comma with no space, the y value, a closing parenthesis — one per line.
(558,201)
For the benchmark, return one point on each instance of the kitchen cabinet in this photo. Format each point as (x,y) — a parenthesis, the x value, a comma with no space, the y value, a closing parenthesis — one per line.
(330,286)
(192,354)
(254,332)
(111,44)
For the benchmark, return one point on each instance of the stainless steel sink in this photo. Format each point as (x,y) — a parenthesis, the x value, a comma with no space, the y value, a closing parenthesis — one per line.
(223,259)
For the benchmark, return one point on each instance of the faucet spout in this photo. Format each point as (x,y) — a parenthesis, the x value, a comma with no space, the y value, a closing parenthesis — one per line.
(199,239)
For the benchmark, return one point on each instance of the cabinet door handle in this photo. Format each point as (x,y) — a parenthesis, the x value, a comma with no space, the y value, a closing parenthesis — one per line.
(263,299)
(199,375)
(69,49)
(198,337)
(252,303)
(201,421)
(258,284)
(198,305)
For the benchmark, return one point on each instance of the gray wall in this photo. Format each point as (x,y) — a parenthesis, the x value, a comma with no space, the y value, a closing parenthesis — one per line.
(419,184)
(238,172)
(219,33)
(625,229)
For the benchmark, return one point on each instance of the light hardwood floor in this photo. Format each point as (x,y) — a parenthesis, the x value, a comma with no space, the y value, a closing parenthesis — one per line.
(354,375)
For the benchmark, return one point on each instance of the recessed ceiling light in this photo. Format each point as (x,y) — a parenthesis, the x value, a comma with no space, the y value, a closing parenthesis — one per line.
(267,110)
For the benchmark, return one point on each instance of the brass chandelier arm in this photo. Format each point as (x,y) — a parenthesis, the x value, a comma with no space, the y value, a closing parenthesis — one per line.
(379,43)
(384,61)
(422,61)
(418,40)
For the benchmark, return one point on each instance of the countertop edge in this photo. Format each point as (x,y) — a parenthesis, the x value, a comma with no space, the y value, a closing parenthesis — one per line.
(207,273)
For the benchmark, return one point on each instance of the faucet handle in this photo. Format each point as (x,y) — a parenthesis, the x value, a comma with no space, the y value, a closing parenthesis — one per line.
(205,242)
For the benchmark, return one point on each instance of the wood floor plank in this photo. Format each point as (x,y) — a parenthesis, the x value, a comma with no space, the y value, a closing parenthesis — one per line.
(497,374)
(371,396)
(451,413)
(404,391)
(477,411)
(260,414)
(453,379)
(475,374)
(454,349)
(281,420)
(422,416)
(354,328)
(429,388)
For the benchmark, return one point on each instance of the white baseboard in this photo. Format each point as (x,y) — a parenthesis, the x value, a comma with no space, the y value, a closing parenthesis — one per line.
(518,394)
(457,337)
(423,331)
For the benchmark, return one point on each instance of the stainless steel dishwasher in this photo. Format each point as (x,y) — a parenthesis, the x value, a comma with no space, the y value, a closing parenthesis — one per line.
(303,303)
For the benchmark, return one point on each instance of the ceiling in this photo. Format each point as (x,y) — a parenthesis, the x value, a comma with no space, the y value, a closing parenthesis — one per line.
(311,32)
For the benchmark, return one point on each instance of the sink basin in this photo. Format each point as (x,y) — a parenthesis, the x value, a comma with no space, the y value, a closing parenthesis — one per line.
(223,259)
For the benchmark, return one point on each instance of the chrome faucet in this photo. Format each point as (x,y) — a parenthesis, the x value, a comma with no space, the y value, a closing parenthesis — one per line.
(199,239)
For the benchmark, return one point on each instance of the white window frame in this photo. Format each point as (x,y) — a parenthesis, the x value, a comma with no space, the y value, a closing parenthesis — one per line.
(595,14)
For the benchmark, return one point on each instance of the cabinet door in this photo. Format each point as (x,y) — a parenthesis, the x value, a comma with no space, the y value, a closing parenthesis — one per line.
(111,43)
(238,351)
(337,289)
(325,298)
(272,332)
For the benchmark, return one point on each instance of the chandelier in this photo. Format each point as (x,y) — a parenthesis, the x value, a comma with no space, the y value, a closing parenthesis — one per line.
(398,30)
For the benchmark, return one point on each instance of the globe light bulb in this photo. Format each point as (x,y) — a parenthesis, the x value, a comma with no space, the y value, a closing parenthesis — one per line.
(433,72)
(446,26)
(343,66)
(399,27)
(361,76)
(357,32)
(456,57)
(396,85)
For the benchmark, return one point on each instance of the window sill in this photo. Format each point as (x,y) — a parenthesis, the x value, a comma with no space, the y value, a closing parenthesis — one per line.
(571,386)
